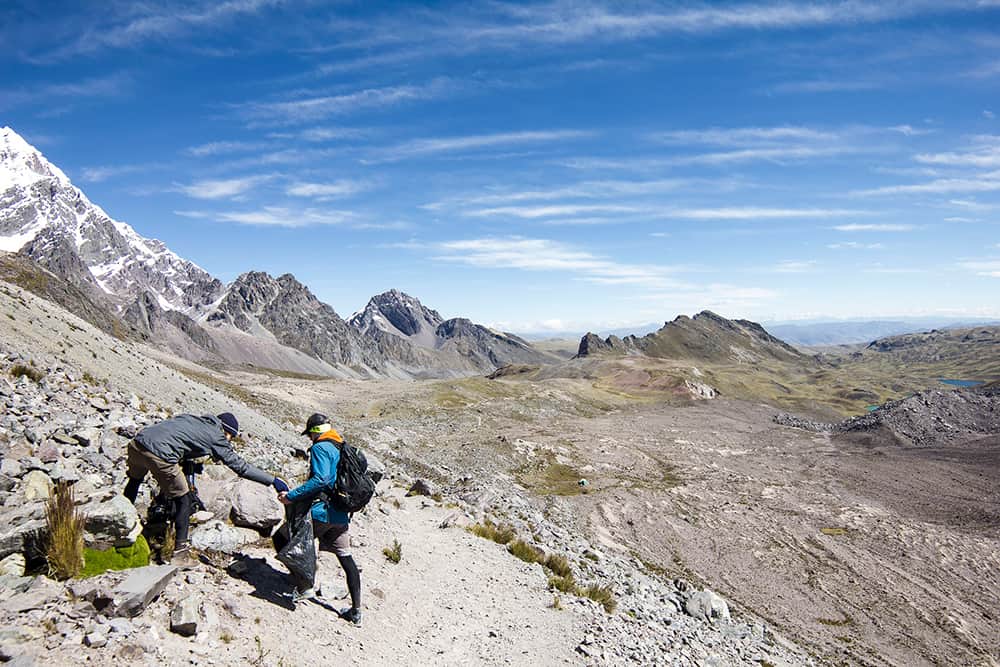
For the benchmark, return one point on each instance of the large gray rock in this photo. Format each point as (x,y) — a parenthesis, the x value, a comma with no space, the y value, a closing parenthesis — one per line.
(218,536)
(36,485)
(376,468)
(140,588)
(185,616)
(22,529)
(42,592)
(256,506)
(111,523)
(13,565)
(707,606)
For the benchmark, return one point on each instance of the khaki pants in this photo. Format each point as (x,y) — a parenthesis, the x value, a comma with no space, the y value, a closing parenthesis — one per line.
(169,476)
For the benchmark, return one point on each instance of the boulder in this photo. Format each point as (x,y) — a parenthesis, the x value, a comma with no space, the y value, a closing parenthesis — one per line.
(22,529)
(36,485)
(218,536)
(376,468)
(140,588)
(256,506)
(185,616)
(6,482)
(707,606)
(111,523)
(41,593)
(13,565)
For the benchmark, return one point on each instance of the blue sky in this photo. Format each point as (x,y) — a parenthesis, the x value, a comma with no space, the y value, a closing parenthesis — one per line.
(565,165)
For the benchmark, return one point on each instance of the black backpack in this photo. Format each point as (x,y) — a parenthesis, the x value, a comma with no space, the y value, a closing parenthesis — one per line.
(353,488)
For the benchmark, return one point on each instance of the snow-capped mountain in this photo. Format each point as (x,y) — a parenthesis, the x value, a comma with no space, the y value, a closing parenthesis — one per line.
(257,319)
(45,217)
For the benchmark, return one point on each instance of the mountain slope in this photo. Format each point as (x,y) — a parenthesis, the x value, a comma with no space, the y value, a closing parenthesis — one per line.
(705,337)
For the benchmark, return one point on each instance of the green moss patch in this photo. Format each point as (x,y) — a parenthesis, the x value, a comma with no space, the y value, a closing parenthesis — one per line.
(97,561)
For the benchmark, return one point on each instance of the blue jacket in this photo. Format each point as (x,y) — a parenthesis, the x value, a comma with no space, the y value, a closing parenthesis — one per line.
(323,459)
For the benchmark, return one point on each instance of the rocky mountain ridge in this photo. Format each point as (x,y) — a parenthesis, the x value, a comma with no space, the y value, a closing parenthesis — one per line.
(258,319)
(704,337)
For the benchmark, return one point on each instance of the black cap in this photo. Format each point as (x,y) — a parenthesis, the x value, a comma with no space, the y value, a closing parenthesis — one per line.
(229,424)
(315,419)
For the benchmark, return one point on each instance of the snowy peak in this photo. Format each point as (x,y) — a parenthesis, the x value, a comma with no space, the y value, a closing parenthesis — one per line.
(44,216)
(21,164)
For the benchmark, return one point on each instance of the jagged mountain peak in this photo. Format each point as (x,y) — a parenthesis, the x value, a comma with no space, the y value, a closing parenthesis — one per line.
(398,313)
(23,164)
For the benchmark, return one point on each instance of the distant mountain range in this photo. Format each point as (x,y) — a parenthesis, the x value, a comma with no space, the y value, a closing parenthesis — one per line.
(845,332)
(139,288)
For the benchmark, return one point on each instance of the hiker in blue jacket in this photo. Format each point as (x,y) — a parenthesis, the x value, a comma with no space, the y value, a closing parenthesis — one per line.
(330,526)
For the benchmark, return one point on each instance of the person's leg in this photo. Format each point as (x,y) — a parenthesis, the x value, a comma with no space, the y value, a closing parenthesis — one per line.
(173,483)
(182,520)
(337,540)
(135,470)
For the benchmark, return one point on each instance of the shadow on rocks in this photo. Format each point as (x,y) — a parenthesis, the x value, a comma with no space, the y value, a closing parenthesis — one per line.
(269,584)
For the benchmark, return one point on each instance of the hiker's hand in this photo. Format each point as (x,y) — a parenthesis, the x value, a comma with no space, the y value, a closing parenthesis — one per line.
(279,485)
(283,497)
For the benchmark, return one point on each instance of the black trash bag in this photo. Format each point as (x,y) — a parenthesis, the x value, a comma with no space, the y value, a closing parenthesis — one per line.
(295,545)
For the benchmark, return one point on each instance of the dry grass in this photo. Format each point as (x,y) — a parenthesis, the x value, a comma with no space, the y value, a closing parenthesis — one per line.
(602,595)
(65,526)
(393,554)
(169,543)
(525,551)
(558,565)
(565,584)
(501,534)
(25,370)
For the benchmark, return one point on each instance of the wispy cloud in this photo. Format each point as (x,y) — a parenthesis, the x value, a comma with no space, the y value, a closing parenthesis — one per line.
(988,267)
(972,205)
(533,212)
(221,189)
(794,266)
(98,174)
(314,107)
(47,93)
(758,213)
(984,182)
(277,216)
(741,136)
(582,190)
(854,245)
(546,255)
(855,227)
(331,190)
(425,147)
(988,156)
(225,147)
(151,22)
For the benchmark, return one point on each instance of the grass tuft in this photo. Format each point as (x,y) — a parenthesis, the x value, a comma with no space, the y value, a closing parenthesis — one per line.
(565,584)
(501,534)
(602,595)
(394,553)
(525,551)
(24,370)
(65,526)
(169,543)
(558,565)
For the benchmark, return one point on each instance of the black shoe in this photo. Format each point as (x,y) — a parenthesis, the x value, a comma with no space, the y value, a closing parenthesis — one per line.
(351,615)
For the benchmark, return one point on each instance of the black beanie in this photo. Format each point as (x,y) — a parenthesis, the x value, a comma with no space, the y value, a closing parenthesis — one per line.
(229,424)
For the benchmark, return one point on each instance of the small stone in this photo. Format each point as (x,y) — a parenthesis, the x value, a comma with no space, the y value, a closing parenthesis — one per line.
(36,485)
(185,616)
(13,565)
(421,487)
(96,640)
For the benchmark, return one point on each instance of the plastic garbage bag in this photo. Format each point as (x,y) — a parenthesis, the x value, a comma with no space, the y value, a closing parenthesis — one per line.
(295,545)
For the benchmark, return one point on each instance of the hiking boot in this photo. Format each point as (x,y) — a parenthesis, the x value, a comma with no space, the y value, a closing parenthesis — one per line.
(301,596)
(351,615)
(183,558)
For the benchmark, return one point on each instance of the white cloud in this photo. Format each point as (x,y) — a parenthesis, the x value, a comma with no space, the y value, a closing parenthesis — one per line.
(221,189)
(985,182)
(424,147)
(546,255)
(794,266)
(103,173)
(874,228)
(854,245)
(45,93)
(973,205)
(742,136)
(989,267)
(341,188)
(958,218)
(988,114)
(276,216)
(532,212)
(986,157)
(757,213)
(224,147)
(312,107)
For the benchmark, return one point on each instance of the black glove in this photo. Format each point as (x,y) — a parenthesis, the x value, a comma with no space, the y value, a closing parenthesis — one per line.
(279,485)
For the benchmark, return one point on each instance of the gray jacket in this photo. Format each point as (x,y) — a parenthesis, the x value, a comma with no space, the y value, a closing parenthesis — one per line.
(187,437)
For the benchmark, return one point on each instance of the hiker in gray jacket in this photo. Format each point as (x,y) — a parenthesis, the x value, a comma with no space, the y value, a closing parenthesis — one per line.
(161,450)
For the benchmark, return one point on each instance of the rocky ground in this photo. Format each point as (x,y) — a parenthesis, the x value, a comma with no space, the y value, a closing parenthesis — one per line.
(70,394)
